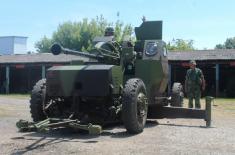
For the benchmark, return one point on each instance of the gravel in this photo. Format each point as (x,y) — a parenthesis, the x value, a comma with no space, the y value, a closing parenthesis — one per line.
(163,136)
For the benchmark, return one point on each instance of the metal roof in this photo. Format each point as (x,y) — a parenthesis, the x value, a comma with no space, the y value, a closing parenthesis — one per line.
(217,54)
(201,55)
(13,37)
(39,58)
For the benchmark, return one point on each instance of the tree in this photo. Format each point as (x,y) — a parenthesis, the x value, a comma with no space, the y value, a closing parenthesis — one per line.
(219,46)
(228,44)
(180,44)
(79,35)
(127,31)
(44,44)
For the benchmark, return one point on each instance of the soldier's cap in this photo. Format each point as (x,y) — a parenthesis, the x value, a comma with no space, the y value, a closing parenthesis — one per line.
(193,62)
(109,29)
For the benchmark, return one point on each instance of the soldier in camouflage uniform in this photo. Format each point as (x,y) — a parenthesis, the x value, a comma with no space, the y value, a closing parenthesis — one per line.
(193,84)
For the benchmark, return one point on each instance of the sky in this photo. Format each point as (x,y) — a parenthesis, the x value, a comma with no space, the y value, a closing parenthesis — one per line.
(207,22)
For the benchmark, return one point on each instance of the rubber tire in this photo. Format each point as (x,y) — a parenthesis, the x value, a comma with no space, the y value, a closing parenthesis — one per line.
(36,101)
(177,95)
(129,106)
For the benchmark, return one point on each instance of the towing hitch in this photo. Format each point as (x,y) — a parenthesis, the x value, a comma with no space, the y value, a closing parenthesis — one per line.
(180,112)
(53,123)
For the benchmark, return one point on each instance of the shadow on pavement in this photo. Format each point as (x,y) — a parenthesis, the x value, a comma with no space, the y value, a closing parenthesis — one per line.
(38,143)
(188,126)
(39,140)
(151,123)
(69,135)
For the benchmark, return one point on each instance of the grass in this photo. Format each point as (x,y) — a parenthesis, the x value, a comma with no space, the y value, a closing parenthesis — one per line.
(3,112)
(12,108)
(220,106)
(225,104)
(16,96)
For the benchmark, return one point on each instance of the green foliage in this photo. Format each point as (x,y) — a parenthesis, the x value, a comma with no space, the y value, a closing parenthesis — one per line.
(43,45)
(180,44)
(118,30)
(228,44)
(219,46)
(127,30)
(79,35)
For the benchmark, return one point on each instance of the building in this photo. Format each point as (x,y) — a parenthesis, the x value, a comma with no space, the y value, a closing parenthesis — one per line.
(13,45)
(217,65)
(18,73)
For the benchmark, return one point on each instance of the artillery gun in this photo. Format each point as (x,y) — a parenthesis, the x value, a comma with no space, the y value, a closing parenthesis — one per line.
(122,84)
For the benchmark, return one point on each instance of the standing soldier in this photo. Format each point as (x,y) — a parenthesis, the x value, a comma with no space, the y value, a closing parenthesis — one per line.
(194,82)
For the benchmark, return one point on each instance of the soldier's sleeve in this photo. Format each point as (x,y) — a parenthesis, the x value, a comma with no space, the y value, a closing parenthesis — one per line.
(187,75)
(203,80)
(186,81)
(201,74)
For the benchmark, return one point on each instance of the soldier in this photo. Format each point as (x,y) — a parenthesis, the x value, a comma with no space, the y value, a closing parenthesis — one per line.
(194,82)
(109,31)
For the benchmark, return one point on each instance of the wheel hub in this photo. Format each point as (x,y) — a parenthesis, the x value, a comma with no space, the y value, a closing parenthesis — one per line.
(141,107)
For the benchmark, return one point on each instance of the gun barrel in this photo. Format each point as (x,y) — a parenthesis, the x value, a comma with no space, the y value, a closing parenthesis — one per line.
(56,49)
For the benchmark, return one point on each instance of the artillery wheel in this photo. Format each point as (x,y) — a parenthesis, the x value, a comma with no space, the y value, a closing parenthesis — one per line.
(37,99)
(134,106)
(177,95)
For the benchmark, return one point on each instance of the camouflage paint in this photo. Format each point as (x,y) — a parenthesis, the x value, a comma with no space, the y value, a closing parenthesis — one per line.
(87,80)
(117,79)
(61,79)
(127,54)
(149,30)
(152,74)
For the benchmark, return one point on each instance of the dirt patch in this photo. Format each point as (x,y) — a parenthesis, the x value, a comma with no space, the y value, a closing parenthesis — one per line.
(3,112)
(163,136)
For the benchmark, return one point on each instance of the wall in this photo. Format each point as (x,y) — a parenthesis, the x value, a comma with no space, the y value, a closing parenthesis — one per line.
(13,45)
(20,45)
(6,45)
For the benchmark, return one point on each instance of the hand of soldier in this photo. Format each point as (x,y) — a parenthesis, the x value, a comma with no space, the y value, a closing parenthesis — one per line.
(203,84)
(203,87)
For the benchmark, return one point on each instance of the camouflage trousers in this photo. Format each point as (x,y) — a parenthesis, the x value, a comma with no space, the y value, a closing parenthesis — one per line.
(194,93)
